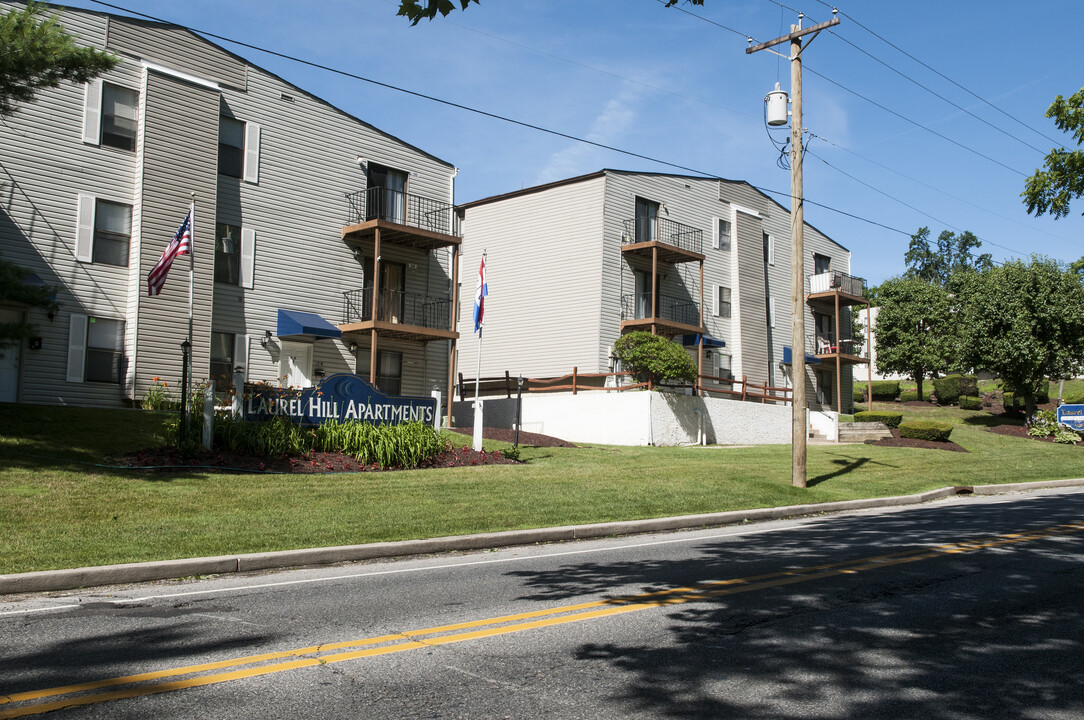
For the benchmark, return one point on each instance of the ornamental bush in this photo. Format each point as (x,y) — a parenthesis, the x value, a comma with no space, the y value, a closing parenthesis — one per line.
(951,387)
(886,389)
(967,402)
(653,358)
(891,419)
(858,392)
(912,395)
(926,430)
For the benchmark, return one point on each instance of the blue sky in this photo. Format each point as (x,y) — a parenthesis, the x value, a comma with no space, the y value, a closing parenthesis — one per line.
(662,83)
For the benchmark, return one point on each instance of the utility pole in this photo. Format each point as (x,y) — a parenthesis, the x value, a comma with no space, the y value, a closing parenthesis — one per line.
(799,421)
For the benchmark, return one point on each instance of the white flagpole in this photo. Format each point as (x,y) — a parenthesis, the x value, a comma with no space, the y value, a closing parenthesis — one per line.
(478,422)
(191,283)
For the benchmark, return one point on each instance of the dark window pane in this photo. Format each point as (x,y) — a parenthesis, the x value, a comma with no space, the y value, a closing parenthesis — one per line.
(112,233)
(227,254)
(120,116)
(231,146)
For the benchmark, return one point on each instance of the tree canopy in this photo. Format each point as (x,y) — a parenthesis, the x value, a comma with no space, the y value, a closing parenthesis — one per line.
(418,10)
(952,255)
(1052,189)
(15,290)
(1024,321)
(41,54)
(915,328)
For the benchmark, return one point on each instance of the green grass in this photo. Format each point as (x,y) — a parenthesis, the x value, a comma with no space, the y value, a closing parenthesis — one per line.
(59,508)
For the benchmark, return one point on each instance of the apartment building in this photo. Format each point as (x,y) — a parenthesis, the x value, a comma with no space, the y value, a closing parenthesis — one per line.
(574,264)
(322,244)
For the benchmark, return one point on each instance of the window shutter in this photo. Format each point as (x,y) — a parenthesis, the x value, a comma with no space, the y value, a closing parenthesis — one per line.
(77,347)
(771,311)
(715,233)
(716,297)
(252,153)
(84,230)
(248,256)
(771,249)
(92,112)
(240,353)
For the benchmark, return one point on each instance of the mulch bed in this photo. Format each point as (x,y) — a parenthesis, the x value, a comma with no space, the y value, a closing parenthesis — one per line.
(169,459)
(897,441)
(1021,431)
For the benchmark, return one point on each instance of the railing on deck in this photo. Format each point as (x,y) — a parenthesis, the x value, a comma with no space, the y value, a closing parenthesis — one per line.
(638,306)
(835,280)
(381,203)
(823,343)
(644,229)
(395,306)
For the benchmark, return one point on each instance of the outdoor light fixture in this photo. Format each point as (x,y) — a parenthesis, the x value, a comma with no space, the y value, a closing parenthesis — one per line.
(266,338)
(353,348)
(319,371)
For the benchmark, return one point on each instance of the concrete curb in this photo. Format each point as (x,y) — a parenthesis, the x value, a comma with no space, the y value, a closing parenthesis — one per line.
(48,580)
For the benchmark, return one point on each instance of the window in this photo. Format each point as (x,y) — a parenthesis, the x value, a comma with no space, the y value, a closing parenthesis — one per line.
(821,264)
(112,233)
(722,366)
(105,349)
(769,249)
(825,391)
(227,253)
(120,117)
(389,372)
(222,345)
(647,219)
(231,147)
(722,234)
(722,301)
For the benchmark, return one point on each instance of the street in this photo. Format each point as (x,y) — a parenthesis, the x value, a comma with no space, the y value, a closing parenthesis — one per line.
(964,608)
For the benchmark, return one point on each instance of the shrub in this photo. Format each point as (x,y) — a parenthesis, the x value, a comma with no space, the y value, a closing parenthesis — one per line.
(891,419)
(858,393)
(886,389)
(1073,399)
(912,395)
(926,430)
(967,402)
(951,387)
(1066,435)
(653,358)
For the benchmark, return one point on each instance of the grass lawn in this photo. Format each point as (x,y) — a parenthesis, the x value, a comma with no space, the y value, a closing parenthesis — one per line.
(60,506)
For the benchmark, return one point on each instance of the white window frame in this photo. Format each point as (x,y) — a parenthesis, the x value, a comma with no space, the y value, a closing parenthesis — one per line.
(716,236)
(86,211)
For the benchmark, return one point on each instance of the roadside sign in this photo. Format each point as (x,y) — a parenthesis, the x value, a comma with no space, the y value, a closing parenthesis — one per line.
(1072,415)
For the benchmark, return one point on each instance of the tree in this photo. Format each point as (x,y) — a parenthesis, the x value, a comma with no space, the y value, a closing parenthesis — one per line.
(1024,321)
(416,10)
(1052,189)
(40,54)
(652,358)
(915,329)
(15,290)
(952,255)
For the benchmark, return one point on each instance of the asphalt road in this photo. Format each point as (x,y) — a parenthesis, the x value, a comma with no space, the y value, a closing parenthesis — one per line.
(964,608)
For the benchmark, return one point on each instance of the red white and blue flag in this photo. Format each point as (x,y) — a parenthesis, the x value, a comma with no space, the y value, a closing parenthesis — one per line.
(480,297)
(181,244)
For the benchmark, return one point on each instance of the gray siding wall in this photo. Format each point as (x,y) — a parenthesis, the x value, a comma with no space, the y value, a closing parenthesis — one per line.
(308,162)
(753,326)
(544,271)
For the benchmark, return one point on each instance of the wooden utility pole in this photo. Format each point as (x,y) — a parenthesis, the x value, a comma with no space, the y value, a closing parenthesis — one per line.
(799,421)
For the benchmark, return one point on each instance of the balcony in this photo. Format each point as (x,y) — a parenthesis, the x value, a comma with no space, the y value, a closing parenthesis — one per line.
(670,315)
(826,347)
(404,219)
(399,315)
(829,285)
(673,242)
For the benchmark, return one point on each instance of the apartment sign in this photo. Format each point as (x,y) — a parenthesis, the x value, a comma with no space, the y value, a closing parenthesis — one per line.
(340,397)
(1072,415)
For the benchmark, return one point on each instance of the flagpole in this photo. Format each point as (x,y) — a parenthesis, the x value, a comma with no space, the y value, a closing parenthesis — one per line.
(191,283)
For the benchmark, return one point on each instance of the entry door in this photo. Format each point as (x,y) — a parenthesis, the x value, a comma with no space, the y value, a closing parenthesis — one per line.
(295,364)
(647,219)
(645,308)
(392,285)
(9,360)
(387,194)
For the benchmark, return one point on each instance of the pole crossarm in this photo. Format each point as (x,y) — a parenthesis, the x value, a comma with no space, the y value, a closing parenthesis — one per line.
(792,36)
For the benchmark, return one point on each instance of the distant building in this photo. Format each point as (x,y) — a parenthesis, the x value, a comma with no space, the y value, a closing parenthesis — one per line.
(322,244)
(874,370)
(574,264)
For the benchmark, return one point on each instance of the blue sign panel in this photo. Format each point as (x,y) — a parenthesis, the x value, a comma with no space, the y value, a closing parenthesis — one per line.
(1072,415)
(340,397)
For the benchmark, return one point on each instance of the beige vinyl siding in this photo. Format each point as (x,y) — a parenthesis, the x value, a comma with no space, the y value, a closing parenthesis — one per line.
(180,156)
(177,49)
(544,273)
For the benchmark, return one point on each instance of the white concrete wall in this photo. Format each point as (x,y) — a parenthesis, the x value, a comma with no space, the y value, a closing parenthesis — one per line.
(638,418)
(826,422)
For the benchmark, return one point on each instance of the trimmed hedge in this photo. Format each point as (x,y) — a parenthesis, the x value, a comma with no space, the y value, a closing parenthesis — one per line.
(970,403)
(891,419)
(858,393)
(1016,402)
(912,395)
(886,389)
(951,387)
(926,430)
(1070,399)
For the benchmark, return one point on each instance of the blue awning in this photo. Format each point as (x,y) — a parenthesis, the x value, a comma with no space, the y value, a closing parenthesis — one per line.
(692,339)
(294,323)
(809,359)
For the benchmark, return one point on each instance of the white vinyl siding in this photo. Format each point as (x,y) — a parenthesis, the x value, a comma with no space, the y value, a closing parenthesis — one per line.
(252,153)
(77,347)
(92,112)
(248,256)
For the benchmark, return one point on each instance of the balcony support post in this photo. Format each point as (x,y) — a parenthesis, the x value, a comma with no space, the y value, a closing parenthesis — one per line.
(839,361)
(375,308)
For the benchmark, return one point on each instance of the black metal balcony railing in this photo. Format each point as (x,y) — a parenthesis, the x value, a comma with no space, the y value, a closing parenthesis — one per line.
(638,306)
(822,343)
(835,280)
(644,229)
(395,306)
(381,203)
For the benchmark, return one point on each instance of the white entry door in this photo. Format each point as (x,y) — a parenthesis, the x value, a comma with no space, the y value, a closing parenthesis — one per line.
(295,364)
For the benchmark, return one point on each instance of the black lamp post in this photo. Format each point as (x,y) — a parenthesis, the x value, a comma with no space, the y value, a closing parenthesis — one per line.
(186,348)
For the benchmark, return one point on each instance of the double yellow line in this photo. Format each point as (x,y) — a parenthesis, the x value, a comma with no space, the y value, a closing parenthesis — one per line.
(190,676)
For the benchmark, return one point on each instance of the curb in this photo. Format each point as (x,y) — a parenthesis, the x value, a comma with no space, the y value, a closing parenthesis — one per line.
(49,580)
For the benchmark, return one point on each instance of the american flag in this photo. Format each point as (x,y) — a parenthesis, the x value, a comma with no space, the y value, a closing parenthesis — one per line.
(181,244)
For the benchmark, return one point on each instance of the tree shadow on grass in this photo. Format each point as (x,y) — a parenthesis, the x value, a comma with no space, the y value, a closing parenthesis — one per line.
(988,420)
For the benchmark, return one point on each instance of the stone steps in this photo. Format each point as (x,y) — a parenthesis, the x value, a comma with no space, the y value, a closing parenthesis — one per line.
(857,432)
